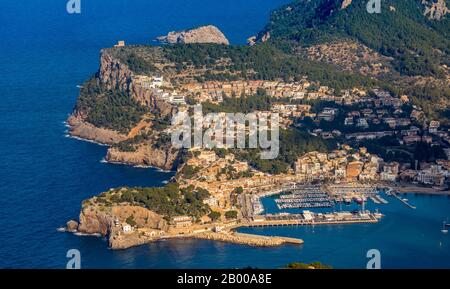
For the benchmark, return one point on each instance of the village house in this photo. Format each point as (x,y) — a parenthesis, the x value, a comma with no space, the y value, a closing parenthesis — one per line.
(434,126)
(390,172)
(434,175)
(182,221)
(120,43)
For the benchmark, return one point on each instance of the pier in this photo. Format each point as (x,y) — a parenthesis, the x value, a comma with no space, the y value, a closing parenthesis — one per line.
(303,223)
(288,240)
(394,194)
(308,219)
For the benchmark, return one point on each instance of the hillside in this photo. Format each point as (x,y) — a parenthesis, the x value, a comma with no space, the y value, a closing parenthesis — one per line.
(407,44)
(419,45)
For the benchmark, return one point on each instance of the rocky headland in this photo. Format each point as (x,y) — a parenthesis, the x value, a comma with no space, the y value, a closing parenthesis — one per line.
(203,34)
(145,155)
(116,77)
(78,127)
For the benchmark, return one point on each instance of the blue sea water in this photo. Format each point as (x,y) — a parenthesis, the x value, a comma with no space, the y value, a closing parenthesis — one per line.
(44,175)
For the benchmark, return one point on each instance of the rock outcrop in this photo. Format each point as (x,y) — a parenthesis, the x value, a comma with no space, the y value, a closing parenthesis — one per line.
(146,155)
(108,221)
(113,74)
(82,129)
(204,34)
(72,226)
(435,9)
(93,220)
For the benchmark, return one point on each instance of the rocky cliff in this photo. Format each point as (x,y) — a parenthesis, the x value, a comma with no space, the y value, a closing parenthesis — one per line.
(113,74)
(82,129)
(109,221)
(95,221)
(146,155)
(204,34)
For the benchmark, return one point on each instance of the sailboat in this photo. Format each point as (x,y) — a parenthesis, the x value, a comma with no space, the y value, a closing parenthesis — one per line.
(444,230)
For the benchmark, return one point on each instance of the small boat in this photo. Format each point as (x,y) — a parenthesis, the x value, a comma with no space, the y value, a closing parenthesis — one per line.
(358,200)
(378,215)
(444,230)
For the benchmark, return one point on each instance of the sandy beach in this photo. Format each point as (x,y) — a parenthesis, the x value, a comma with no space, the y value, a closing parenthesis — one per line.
(421,190)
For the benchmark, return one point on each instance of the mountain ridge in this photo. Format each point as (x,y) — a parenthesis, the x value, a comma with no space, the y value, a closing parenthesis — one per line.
(419,45)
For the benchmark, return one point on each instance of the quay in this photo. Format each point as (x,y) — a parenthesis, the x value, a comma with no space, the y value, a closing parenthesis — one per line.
(247,239)
(287,240)
(394,194)
(303,223)
(308,218)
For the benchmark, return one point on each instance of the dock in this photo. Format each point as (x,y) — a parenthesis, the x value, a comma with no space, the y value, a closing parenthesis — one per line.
(248,239)
(394,194)
(288,240)
(302,222)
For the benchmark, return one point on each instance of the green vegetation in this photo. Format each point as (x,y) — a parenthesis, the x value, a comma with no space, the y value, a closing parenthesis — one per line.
(232,174)
(231,215)
(130,221)
(434,100)
(168,201)
(234,195)
(129,145)
(245,104)
(214,216)
(314,265)
(264,61)
(418,45)
(111,109)
(189,172)
(293,143)
(139,65)
(390,150)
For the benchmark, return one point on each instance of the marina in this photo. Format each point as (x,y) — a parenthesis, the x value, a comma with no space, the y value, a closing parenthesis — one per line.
(310,218)
(315,200)
(304,198)
(326,196)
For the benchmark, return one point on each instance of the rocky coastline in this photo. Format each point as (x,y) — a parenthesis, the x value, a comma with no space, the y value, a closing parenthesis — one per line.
(203,34)
(110,221)
(81,129)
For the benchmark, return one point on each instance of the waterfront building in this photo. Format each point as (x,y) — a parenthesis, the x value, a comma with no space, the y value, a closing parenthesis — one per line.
(434,175)
(390,172)
(182,221)
(120,43)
